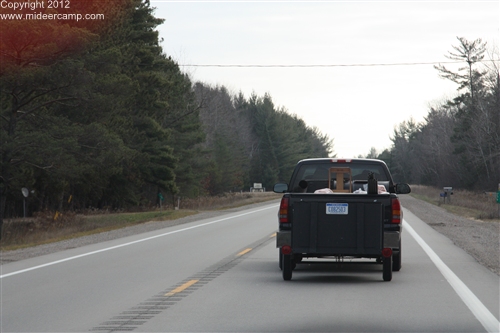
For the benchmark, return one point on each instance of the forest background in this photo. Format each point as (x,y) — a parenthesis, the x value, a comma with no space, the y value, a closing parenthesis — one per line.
(94,114)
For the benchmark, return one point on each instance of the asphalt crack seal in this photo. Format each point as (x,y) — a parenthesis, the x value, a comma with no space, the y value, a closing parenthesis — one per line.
(131,319)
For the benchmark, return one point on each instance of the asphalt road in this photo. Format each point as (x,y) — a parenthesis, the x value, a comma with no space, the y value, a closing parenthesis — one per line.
(221,275)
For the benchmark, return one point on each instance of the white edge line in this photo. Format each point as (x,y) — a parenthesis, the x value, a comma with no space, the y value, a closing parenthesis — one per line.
(129,243)
(485,317)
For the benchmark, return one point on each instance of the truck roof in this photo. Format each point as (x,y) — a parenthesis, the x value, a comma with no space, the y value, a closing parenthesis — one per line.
(341,160)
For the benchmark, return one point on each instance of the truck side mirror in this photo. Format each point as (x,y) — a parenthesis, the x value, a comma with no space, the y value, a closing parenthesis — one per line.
(402,188)
(280,188)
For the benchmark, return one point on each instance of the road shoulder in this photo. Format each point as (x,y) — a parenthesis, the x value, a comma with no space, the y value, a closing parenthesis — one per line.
(478,238)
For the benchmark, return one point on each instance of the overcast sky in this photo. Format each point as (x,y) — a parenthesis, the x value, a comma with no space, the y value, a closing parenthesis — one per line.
(357,106)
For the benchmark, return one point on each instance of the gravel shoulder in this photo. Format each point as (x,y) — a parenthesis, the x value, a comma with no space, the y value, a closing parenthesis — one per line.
(480,239)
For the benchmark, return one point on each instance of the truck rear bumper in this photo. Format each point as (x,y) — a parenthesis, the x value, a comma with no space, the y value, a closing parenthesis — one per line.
(391,239)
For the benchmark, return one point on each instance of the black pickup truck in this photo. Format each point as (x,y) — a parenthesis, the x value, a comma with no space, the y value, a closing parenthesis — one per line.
(340,209)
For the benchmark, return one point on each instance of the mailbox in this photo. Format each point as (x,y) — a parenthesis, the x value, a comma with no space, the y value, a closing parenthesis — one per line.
(448,191)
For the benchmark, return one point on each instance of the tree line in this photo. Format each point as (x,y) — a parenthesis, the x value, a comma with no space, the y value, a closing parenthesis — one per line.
(96,115)
(458,143)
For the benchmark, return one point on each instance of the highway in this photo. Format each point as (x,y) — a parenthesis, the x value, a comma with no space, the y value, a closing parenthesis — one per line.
(221,275)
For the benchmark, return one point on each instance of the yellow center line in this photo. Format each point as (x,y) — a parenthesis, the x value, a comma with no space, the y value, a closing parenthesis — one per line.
(181,288)
(273,235)
(244,252)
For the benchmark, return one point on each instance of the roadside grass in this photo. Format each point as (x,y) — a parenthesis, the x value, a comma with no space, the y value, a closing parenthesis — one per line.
(474,205)
(44,228)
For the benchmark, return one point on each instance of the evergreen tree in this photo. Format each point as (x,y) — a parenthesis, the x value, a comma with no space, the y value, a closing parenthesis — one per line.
(98,113)
(476,129)
(458,143)
(36,73)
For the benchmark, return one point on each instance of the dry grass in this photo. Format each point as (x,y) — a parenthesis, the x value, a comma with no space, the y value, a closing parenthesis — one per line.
(476,205)
(45,227)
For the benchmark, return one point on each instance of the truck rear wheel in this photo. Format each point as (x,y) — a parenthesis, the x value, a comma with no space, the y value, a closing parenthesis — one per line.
(387,268)
(287,266)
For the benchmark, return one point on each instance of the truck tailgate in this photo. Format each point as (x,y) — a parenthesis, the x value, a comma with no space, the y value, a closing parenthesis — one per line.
(346,224)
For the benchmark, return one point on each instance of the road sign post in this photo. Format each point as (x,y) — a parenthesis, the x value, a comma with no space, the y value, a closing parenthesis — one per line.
(25,192)
(160,199)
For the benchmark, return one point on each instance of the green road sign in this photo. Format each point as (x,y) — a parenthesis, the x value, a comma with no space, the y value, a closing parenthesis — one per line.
(498,197)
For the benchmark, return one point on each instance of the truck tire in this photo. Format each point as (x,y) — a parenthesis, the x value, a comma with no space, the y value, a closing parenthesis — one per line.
(294,261)
(396,260)
(387,268)
(287,267)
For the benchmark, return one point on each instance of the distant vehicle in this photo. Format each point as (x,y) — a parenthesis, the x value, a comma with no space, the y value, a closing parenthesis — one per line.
(340,208)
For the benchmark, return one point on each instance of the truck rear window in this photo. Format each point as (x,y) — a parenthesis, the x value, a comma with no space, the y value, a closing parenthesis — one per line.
(318,173)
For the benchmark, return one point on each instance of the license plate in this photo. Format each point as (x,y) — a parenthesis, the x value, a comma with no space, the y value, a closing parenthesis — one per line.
(337,208)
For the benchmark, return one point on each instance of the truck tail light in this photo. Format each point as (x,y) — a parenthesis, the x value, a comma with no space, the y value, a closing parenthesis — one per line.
(397,213)
(386,252)
(286,249)
(283,213)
